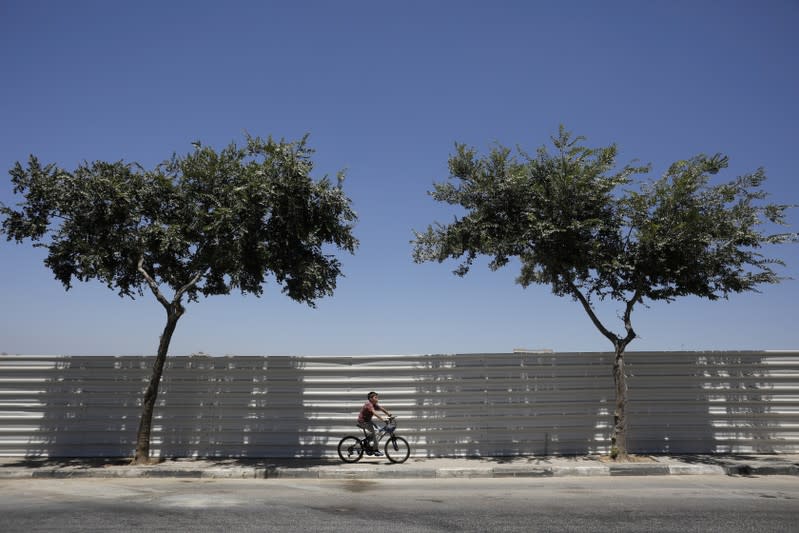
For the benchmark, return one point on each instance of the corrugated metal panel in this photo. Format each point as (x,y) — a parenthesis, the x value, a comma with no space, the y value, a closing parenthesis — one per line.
(448,405)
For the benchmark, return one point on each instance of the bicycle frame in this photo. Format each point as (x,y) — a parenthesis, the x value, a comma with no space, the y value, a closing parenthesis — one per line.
(388,429)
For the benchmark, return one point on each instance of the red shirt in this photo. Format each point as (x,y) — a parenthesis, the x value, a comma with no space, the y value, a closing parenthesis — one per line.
(368,411)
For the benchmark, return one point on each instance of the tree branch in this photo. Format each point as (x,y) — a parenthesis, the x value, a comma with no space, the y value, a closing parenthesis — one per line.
(157,291)
(587,306)
(153,285)
(179,294)
(628,325)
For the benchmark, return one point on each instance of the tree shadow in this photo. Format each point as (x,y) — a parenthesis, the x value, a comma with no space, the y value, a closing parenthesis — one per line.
(240,407)
(705,403)
(227,407)
(77,406)
(510,405)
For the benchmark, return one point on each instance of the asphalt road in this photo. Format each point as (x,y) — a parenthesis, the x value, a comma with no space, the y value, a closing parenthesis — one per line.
(655,503)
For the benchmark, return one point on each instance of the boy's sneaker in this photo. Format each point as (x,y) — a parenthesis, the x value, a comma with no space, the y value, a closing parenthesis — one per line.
(377,454)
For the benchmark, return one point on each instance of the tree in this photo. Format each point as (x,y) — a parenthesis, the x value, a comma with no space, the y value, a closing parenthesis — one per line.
(203,224)
(575,222)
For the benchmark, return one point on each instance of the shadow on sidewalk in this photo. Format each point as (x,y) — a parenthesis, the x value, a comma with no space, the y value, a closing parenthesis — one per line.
(66,462)
(727,459)
(81,463)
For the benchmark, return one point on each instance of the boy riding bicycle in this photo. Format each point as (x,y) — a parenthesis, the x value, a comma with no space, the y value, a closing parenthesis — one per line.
(369,410)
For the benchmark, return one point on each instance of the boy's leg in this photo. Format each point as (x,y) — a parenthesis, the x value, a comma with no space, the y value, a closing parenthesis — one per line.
(374,438)
(369,428)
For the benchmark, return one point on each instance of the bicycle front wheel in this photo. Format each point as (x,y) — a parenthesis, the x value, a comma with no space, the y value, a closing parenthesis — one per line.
(350,449)
(397,450)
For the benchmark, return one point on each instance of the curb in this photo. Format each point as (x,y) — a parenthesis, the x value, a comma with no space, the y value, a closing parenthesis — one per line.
(768,470)
(398,472)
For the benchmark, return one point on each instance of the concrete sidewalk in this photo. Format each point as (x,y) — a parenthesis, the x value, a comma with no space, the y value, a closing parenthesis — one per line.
(379,468)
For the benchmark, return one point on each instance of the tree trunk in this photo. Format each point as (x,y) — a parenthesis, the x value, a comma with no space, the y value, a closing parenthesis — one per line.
(618,441)
(142,454)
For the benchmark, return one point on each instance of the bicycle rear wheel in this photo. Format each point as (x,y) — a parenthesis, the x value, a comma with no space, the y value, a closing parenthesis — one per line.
(350,449)
(397,449)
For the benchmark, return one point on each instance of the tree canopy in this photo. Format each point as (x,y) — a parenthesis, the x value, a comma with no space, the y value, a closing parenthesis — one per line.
(228,219)
(581,225)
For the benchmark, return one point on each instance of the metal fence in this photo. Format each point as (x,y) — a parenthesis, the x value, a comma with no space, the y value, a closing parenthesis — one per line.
(447,405)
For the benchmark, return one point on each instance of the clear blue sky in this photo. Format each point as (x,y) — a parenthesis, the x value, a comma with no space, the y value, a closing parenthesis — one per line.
(385,89)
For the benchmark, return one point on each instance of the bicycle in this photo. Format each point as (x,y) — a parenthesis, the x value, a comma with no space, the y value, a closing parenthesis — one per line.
(397,449)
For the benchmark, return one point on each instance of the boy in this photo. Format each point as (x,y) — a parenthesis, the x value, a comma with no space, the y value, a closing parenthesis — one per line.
(370,409)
